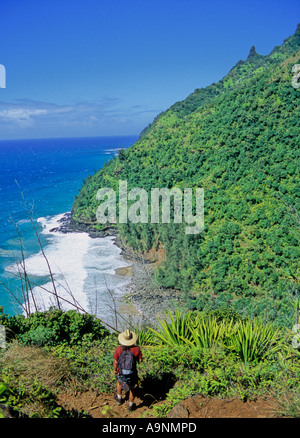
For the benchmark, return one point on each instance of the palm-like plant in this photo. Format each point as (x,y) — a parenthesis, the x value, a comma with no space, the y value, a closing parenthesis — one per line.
(253,341)
(176,331)
(208,331)
(144,336)
(182,328)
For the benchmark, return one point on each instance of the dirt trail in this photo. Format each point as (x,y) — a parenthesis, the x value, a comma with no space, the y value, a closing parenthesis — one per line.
(104,406)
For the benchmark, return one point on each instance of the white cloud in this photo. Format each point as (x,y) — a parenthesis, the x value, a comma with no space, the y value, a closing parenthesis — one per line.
(30,117)
(20,116)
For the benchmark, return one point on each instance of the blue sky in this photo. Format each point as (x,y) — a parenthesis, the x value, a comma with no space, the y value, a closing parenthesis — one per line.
(95,67)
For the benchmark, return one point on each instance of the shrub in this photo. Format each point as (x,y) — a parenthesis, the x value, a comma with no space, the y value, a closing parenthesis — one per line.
(55,327)
(30,377)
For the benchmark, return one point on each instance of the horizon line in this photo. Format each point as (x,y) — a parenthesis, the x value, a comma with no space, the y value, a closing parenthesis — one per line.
(67,137)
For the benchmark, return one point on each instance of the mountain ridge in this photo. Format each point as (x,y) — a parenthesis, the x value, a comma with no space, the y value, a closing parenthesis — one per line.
(238,140)
(253,58)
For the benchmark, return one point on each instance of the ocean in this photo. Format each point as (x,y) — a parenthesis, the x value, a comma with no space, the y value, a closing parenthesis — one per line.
(47,174)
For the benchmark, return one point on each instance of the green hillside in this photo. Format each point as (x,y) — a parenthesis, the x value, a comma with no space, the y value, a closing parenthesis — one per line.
(239,140)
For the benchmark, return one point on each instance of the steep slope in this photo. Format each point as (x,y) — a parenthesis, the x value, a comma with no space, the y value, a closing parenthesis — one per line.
(239,140)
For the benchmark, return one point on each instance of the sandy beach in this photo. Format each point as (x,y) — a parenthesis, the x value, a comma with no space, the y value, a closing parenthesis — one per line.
(126,271)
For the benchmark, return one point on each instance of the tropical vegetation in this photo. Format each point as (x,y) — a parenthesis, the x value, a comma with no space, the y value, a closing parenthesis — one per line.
(239,140)
(215,354)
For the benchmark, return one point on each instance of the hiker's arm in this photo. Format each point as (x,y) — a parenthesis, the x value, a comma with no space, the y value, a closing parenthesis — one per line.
(115,366)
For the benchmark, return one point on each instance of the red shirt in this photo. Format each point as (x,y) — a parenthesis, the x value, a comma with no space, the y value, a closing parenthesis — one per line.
(135,351)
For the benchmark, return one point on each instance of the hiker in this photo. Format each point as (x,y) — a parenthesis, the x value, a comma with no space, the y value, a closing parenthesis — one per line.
(126,357)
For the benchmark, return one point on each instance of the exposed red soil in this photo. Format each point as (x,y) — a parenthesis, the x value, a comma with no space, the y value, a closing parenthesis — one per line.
(201,407)
(104,406)
(156,256)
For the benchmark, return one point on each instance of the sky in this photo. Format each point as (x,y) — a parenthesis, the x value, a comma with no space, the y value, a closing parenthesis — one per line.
(77,68)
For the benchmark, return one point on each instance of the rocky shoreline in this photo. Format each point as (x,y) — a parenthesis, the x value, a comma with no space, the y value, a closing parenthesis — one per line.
(142,296)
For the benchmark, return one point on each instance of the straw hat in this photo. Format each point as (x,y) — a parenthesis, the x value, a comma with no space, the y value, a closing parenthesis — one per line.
(127,338)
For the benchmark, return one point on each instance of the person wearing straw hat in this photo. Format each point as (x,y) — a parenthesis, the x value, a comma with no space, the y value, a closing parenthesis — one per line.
(126,356)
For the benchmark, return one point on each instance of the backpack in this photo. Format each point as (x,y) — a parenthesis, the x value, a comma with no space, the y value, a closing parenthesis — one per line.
(126,362)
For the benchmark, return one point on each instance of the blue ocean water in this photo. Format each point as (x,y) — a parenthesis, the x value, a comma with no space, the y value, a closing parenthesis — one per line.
(49,173)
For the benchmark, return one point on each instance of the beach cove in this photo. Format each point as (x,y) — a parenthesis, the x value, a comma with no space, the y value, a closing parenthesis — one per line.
(139,300)
(47,174)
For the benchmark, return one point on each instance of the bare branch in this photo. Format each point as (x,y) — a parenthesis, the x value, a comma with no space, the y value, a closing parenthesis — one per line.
(41,246)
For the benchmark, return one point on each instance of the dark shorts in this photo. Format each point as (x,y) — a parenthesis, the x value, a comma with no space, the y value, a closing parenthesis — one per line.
(127,382)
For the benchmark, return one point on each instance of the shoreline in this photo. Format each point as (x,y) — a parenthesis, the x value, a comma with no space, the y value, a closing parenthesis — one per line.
(143,299)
